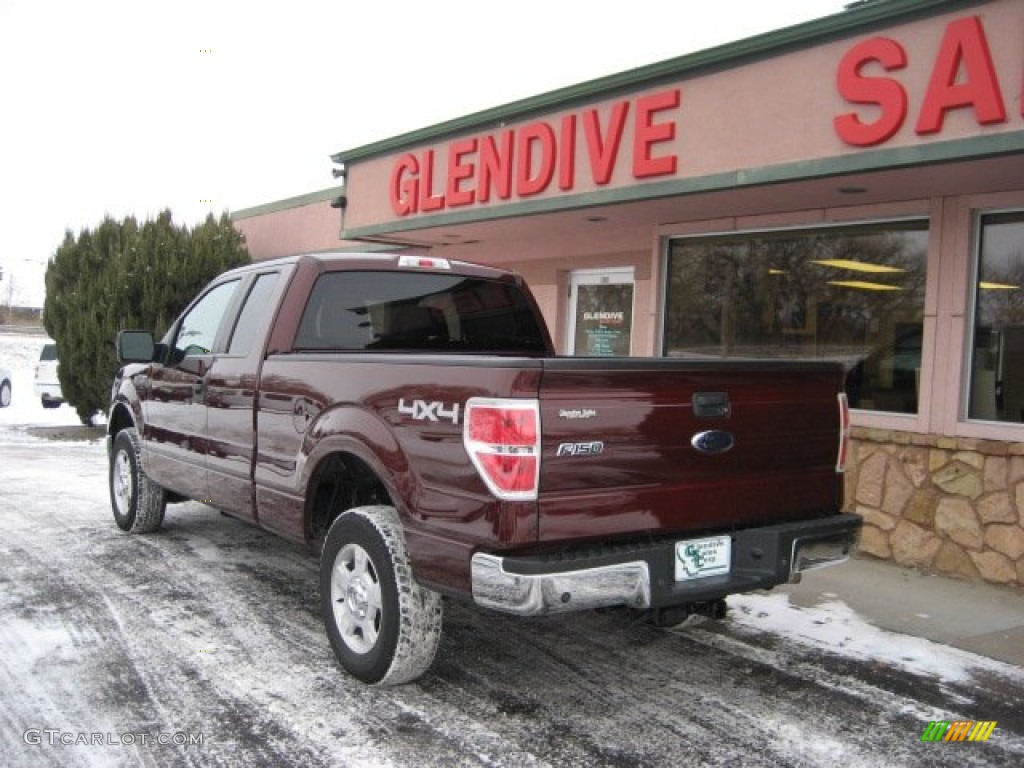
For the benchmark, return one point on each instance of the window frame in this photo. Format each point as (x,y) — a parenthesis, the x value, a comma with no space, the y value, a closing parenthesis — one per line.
(966,425)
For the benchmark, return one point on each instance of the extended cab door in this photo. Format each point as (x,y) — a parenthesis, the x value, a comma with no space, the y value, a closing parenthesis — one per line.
(175,410)
(232,384)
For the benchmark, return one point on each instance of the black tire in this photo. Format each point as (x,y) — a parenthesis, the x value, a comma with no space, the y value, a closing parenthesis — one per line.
(383,626)
(137,502)
(5,393)
(48,403)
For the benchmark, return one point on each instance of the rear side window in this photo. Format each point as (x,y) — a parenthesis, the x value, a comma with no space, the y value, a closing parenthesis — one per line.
(394,311)
(253,312)
(48,354)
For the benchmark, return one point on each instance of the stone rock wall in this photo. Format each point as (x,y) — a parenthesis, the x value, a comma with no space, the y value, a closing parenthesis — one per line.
(949,505)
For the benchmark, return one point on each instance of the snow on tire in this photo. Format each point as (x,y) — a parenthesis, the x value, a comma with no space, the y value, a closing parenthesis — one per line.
(383,626)
(137,502)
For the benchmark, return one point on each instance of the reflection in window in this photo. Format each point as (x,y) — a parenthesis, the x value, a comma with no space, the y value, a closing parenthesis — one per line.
(391,311)
(853,294)
(604,319)
(997,360)
(199,327)
(254,310)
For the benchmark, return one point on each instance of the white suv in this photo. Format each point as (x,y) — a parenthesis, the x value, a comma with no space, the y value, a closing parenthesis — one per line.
(47,384)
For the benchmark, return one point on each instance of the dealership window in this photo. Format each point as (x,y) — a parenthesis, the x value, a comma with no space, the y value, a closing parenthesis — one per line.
(854,294)
(997,356)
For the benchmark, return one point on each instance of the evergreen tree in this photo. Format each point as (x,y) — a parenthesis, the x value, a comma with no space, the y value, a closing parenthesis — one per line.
(123,275)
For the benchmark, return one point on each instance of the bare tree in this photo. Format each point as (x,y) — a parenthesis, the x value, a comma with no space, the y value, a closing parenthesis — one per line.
(9,296)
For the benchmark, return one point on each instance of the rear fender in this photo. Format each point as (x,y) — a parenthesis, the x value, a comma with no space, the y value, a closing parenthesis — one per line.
(360,433)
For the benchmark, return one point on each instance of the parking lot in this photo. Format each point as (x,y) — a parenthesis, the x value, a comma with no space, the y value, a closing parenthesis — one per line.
(202,645)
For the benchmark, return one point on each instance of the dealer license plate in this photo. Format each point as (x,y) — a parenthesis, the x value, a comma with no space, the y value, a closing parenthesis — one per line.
(699,558)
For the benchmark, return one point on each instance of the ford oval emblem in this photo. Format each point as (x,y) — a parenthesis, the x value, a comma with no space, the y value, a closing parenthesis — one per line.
(712,442)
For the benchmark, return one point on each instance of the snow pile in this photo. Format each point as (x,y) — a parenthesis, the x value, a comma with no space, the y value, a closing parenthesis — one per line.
(835,628)
(19,354)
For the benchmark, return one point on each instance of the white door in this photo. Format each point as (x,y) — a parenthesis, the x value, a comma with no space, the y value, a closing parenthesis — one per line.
(600,312)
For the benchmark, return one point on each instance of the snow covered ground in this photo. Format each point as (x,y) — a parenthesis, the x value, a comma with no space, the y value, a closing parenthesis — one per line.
(19,354)
(834,627)
(208,631)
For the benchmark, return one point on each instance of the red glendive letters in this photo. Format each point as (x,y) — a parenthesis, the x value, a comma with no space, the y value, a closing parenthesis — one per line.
(524,161)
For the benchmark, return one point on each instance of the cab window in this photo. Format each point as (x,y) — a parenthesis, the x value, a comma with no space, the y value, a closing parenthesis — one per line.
(198,328)
(253,311)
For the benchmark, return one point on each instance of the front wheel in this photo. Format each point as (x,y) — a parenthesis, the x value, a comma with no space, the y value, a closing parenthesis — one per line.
(383,626)
(5,394)
(137,502)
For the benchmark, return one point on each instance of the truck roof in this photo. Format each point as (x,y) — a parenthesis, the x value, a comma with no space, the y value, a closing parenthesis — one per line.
(337,261)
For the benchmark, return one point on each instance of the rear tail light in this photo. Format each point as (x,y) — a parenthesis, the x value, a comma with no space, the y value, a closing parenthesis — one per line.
(844,432)
(502,438)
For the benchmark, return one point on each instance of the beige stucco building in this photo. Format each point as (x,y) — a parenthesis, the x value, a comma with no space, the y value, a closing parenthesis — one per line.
(851,188)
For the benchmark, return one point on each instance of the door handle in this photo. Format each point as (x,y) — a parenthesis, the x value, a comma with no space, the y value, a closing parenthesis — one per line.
(711,405)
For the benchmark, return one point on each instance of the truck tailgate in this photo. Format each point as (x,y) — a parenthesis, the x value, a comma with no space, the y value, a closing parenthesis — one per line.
(633,448)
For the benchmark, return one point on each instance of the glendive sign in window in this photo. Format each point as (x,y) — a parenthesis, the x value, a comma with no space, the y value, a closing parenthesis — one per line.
(602,306)
(997,360)
(604,332)
(852,294)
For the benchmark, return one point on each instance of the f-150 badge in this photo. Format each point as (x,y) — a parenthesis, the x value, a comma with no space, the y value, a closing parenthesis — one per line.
(420,410)
(580,449)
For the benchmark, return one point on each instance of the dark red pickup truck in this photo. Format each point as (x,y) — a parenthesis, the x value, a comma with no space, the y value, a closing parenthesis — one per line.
(408,418)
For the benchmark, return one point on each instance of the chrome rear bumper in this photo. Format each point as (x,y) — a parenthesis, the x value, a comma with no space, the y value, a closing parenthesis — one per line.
(532,594)
(643,575)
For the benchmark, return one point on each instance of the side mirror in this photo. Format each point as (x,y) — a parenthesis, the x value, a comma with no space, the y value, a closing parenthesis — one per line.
(135,347)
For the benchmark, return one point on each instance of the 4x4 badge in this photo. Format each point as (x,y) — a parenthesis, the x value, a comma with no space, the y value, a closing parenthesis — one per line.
(420,410)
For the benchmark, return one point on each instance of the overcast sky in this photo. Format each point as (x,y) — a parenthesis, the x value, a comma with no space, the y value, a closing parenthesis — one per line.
(136,106)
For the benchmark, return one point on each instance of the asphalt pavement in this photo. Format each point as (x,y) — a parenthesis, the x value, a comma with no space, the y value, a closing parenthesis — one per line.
(982,618)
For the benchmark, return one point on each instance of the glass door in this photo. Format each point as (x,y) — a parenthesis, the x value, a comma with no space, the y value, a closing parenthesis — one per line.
(600,312)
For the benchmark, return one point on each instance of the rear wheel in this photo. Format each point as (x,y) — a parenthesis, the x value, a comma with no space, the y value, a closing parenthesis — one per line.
(5,394)
(137,502)
(383,626)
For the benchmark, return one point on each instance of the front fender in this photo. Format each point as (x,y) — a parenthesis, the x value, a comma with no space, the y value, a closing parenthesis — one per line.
(125,403)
